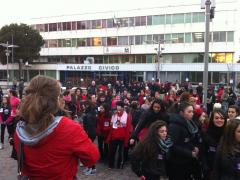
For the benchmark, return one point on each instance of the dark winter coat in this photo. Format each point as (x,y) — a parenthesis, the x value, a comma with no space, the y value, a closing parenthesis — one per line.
(151,168)
(183,139)
(227,167)
(90,123)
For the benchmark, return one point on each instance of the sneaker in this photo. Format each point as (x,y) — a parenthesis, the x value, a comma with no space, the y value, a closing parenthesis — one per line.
(1,146)
(86,170)
(91,172)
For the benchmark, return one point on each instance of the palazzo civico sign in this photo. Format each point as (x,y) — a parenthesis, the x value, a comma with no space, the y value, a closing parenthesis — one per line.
(89,67)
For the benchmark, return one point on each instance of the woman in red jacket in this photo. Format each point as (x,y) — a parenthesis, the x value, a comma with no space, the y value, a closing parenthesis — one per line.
(103,128)
(119,135)
(52,144)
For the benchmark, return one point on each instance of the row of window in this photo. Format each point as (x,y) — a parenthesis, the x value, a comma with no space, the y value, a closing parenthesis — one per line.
(181,18)
(218,36)
(149,58)
(14,74)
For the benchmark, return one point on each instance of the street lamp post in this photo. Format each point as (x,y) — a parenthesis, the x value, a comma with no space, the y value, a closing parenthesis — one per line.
(159,53)
(7,52)
(209,5)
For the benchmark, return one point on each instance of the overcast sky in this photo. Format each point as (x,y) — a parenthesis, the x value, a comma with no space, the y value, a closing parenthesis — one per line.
(16,11)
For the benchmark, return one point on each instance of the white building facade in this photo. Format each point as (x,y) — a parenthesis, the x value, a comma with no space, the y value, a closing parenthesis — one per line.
(123,45)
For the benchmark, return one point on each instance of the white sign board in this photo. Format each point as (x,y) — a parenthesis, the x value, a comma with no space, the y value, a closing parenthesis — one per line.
(117,50)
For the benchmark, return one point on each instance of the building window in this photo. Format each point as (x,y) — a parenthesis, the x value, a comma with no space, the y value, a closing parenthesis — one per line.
(88,24)
(123,40)
(52,27)
(188,37)
(60,44)
(104,41)
(81,25)
(96,24)
(198,17)
(198,37)
(53,43)
(113,60)
(168,38)
(219,36)
(97,41)
(140,21)
(104,23)
(111,41)
(40,27)
(123,22)
(124,59)
(74,42)
(188,18)
(131,40)
(177,18)
(177,58)
(74,25)
(45,44)
(177,38)
(138,40)
(59,26)
(66,42)
(158,37)
(221,57)
(89,41)
(168,19)
(158,19)
(66,26)
(131,22)
(81,42)
(45,27)
(110,23)
(230,36)
(149,20)
(143,21)
(149,58)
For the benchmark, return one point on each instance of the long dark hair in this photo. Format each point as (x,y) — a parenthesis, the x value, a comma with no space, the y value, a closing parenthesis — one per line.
(161,103)
(216,132)
(228,142)
(147,148)
(40,103)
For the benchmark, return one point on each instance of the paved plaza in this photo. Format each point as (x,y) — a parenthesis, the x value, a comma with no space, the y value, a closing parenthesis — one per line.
(8,169)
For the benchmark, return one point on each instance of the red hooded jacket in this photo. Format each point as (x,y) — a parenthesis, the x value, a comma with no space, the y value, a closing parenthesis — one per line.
(55,157)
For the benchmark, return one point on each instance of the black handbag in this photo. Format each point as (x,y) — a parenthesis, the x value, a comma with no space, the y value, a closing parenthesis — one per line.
(20,162)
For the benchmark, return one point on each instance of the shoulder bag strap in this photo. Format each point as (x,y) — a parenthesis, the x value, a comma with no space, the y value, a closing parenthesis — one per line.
(20,158)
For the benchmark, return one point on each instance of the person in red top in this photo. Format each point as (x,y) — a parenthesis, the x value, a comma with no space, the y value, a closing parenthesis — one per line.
(52,145)
(103,128)
(119,135)
(142,97)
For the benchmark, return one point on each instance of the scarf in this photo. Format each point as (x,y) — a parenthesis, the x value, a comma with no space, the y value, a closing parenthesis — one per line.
(192,127)
(165,144)
(119,121)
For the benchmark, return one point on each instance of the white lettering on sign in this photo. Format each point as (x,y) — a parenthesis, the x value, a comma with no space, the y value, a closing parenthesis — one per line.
(78,67)
(108,68)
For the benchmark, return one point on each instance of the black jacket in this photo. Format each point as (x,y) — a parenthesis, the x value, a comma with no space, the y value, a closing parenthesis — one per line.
(149,168)
(227,167)
(90,123)
(183,139)
(210,148)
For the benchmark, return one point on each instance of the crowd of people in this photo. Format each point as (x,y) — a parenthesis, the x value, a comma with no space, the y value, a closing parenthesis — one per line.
(162,129)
